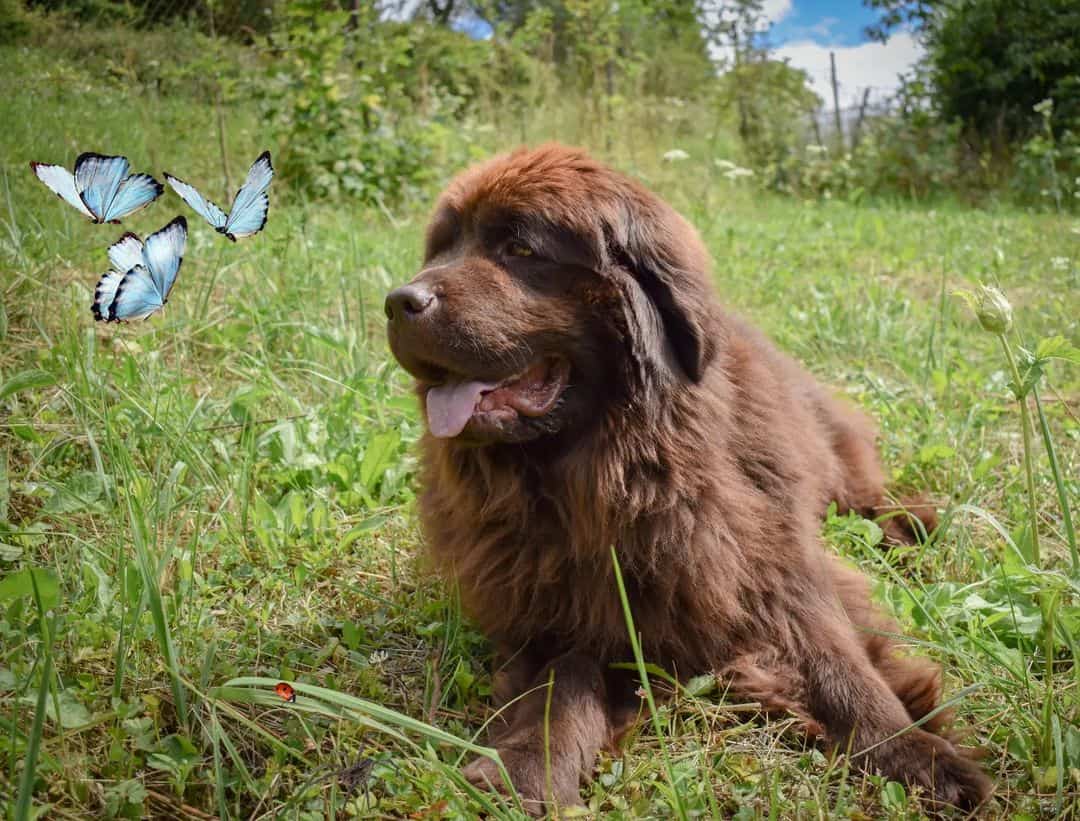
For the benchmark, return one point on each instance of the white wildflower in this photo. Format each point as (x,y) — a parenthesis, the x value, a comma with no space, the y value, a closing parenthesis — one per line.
(675,155)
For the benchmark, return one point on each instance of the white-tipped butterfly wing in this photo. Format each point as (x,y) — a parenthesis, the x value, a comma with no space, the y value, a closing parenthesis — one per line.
(105,294)
(199,204)
(100,188)
(251,204)
(126,253)
(62,183)
(143,274)
(249,208)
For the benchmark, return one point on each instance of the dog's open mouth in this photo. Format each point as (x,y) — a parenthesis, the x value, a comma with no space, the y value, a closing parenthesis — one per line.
(532,392)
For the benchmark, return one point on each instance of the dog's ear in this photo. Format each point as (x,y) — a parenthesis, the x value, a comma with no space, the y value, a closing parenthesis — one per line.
(666,258)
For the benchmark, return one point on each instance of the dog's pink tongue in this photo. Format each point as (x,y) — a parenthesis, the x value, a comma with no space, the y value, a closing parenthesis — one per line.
(449,406)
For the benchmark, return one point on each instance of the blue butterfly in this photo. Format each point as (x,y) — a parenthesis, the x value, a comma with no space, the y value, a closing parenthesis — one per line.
(249,208)
(100,188)
(142,274)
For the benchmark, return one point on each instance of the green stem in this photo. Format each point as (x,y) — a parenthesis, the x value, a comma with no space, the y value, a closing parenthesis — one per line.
(1063,496)
(24,801)
(1025,421)
(1044,598)
(635,645)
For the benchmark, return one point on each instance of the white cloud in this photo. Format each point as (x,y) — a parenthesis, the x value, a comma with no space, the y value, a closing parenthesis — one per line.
(823,27)
(874,65)
(776,10)
(772,12)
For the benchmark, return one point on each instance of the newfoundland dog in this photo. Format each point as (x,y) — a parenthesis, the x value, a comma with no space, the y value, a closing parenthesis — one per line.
(585,390)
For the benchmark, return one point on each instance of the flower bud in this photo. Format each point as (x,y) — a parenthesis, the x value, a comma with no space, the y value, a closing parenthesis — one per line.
(993,310)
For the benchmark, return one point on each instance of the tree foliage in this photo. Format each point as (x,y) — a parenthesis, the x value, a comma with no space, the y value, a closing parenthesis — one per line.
(988,63)
(993,61)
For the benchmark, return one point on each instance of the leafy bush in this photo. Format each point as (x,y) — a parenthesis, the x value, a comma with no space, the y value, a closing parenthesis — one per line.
(976,117)
(767,97)
(14,22)
(353,107)
(1048,165)
(993,60)
(915,153)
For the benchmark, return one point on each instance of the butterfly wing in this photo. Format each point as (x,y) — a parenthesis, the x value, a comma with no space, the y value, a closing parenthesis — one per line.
(104,295)
(61,182)
(202,206)
(126,253)
(164,251)
(251,204)
(137,296)
(135,192)
(98,179)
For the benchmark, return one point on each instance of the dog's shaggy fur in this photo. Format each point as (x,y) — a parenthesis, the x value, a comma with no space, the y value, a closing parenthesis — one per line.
(614,402)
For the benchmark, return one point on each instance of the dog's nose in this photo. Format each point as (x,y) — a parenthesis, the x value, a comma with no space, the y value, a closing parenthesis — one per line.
(408,302)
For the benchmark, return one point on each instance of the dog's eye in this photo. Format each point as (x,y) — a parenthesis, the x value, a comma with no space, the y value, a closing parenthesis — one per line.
(517,249)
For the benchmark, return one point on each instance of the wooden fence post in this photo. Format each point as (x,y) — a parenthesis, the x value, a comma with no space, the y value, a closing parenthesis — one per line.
(836,101)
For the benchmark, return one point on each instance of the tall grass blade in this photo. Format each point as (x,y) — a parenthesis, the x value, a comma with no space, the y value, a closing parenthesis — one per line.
(33,742)
(1063,496)
(240,689)
(360,710)
(643,674)
(152,592)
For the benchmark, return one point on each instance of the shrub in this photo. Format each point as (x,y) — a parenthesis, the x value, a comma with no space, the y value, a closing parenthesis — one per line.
(1048,165)
(14,22)
(353,107)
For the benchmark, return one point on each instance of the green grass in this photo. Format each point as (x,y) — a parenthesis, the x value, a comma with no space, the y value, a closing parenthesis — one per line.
(222,497)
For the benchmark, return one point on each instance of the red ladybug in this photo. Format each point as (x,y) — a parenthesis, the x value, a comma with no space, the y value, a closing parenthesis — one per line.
(286,691)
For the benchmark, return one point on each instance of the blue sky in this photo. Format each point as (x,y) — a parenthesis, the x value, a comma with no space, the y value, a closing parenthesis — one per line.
(827,22)
(803,32)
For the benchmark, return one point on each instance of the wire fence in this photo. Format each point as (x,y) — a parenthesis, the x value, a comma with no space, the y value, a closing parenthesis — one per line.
(846,125)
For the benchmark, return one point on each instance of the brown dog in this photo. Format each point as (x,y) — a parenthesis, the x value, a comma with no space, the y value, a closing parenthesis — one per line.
(584,389)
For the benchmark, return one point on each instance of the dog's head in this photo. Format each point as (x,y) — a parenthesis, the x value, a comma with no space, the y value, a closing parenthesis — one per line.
(551,288)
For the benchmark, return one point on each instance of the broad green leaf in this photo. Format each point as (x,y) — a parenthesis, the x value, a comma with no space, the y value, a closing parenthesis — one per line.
(366,526)
(378,455)
(352,634)
(179,748)
(297,510)
(81,491)
(94,576)
(894,795)
(26,380)
(72,713)
(701,685)
(19,584)
(1057,347)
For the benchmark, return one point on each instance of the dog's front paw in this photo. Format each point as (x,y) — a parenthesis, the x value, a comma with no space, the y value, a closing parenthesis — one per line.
(932,763)
(528,774)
